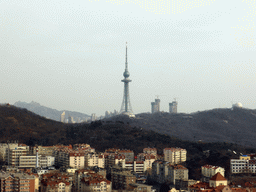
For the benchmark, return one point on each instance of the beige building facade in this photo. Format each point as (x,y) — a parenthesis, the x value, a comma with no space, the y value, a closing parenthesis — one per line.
(175,155)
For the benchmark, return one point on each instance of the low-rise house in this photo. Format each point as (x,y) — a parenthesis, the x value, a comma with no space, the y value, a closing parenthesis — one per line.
(217,183)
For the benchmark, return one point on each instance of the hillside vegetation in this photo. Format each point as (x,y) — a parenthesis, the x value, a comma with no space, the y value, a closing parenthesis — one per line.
(236,125)
(29,128)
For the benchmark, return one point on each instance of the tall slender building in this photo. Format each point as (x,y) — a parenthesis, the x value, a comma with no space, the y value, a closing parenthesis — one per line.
(173,107)
(126,107)
(155,106)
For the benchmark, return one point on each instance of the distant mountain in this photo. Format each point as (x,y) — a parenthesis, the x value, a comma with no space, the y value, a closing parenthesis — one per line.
(27,127)
(49,112)
(236,125)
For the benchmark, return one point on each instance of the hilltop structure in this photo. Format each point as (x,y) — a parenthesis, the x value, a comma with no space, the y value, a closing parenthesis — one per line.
(155,106)
(173,107)
(126,108)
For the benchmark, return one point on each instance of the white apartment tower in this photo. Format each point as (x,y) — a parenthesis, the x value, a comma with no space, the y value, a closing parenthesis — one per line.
(175,155)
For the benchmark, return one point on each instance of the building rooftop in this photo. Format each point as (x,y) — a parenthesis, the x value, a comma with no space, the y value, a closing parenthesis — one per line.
(218,177)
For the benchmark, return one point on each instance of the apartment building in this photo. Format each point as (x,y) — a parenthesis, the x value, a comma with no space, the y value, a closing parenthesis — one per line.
(56,186)
(122,180)
(13,155)
(163,171)
(209,170)
(56,182)
(67,157)
(98,184)
(147,158)
(135,166)
(29,161)
(160,171)
(152,151)
(43,150)
(94,159)
(3,149)
(17,182)
(79,174)
(88,180)
(175,155)
(76,160)
(177,172)
(86,148)
(129,155)
(114,159)
(141,187)
(243,165)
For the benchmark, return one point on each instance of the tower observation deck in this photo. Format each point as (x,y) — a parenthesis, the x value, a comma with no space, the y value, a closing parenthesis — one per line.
(126,108)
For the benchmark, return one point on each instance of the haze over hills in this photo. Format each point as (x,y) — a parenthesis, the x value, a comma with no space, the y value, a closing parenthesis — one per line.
(29,128)
(232,125)
(236,125)
(49,112)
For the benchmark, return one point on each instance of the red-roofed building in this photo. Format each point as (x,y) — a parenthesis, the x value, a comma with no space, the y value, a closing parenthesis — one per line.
(17,182)
(204,187)
(218,180)
(85,179)
(152,151)
(98,184)
(56,181)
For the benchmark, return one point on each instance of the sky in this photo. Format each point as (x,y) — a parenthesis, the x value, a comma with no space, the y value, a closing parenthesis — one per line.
(70,54)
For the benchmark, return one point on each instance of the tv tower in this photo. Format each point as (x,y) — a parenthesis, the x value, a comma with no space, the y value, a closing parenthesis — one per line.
(126,107)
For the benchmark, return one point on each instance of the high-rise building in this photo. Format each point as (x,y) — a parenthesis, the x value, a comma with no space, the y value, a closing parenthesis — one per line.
(175,155)
(155,106)
(70,119)
(62,117)
(93,117)
(126,107)
(173,107)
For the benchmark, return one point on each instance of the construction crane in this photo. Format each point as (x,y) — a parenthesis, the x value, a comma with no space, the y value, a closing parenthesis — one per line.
(157,96)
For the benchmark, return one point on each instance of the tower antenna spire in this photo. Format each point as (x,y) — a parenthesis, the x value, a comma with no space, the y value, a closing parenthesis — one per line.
(126,107)
(126,63)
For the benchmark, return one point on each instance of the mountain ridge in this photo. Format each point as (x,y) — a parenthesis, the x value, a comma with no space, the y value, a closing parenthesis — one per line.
(50,113)
(235,125)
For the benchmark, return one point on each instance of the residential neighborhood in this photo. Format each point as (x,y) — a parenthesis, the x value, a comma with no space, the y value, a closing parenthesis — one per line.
(80,168)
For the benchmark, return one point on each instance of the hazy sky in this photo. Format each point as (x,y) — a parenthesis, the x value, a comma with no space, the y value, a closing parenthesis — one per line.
(70,54)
